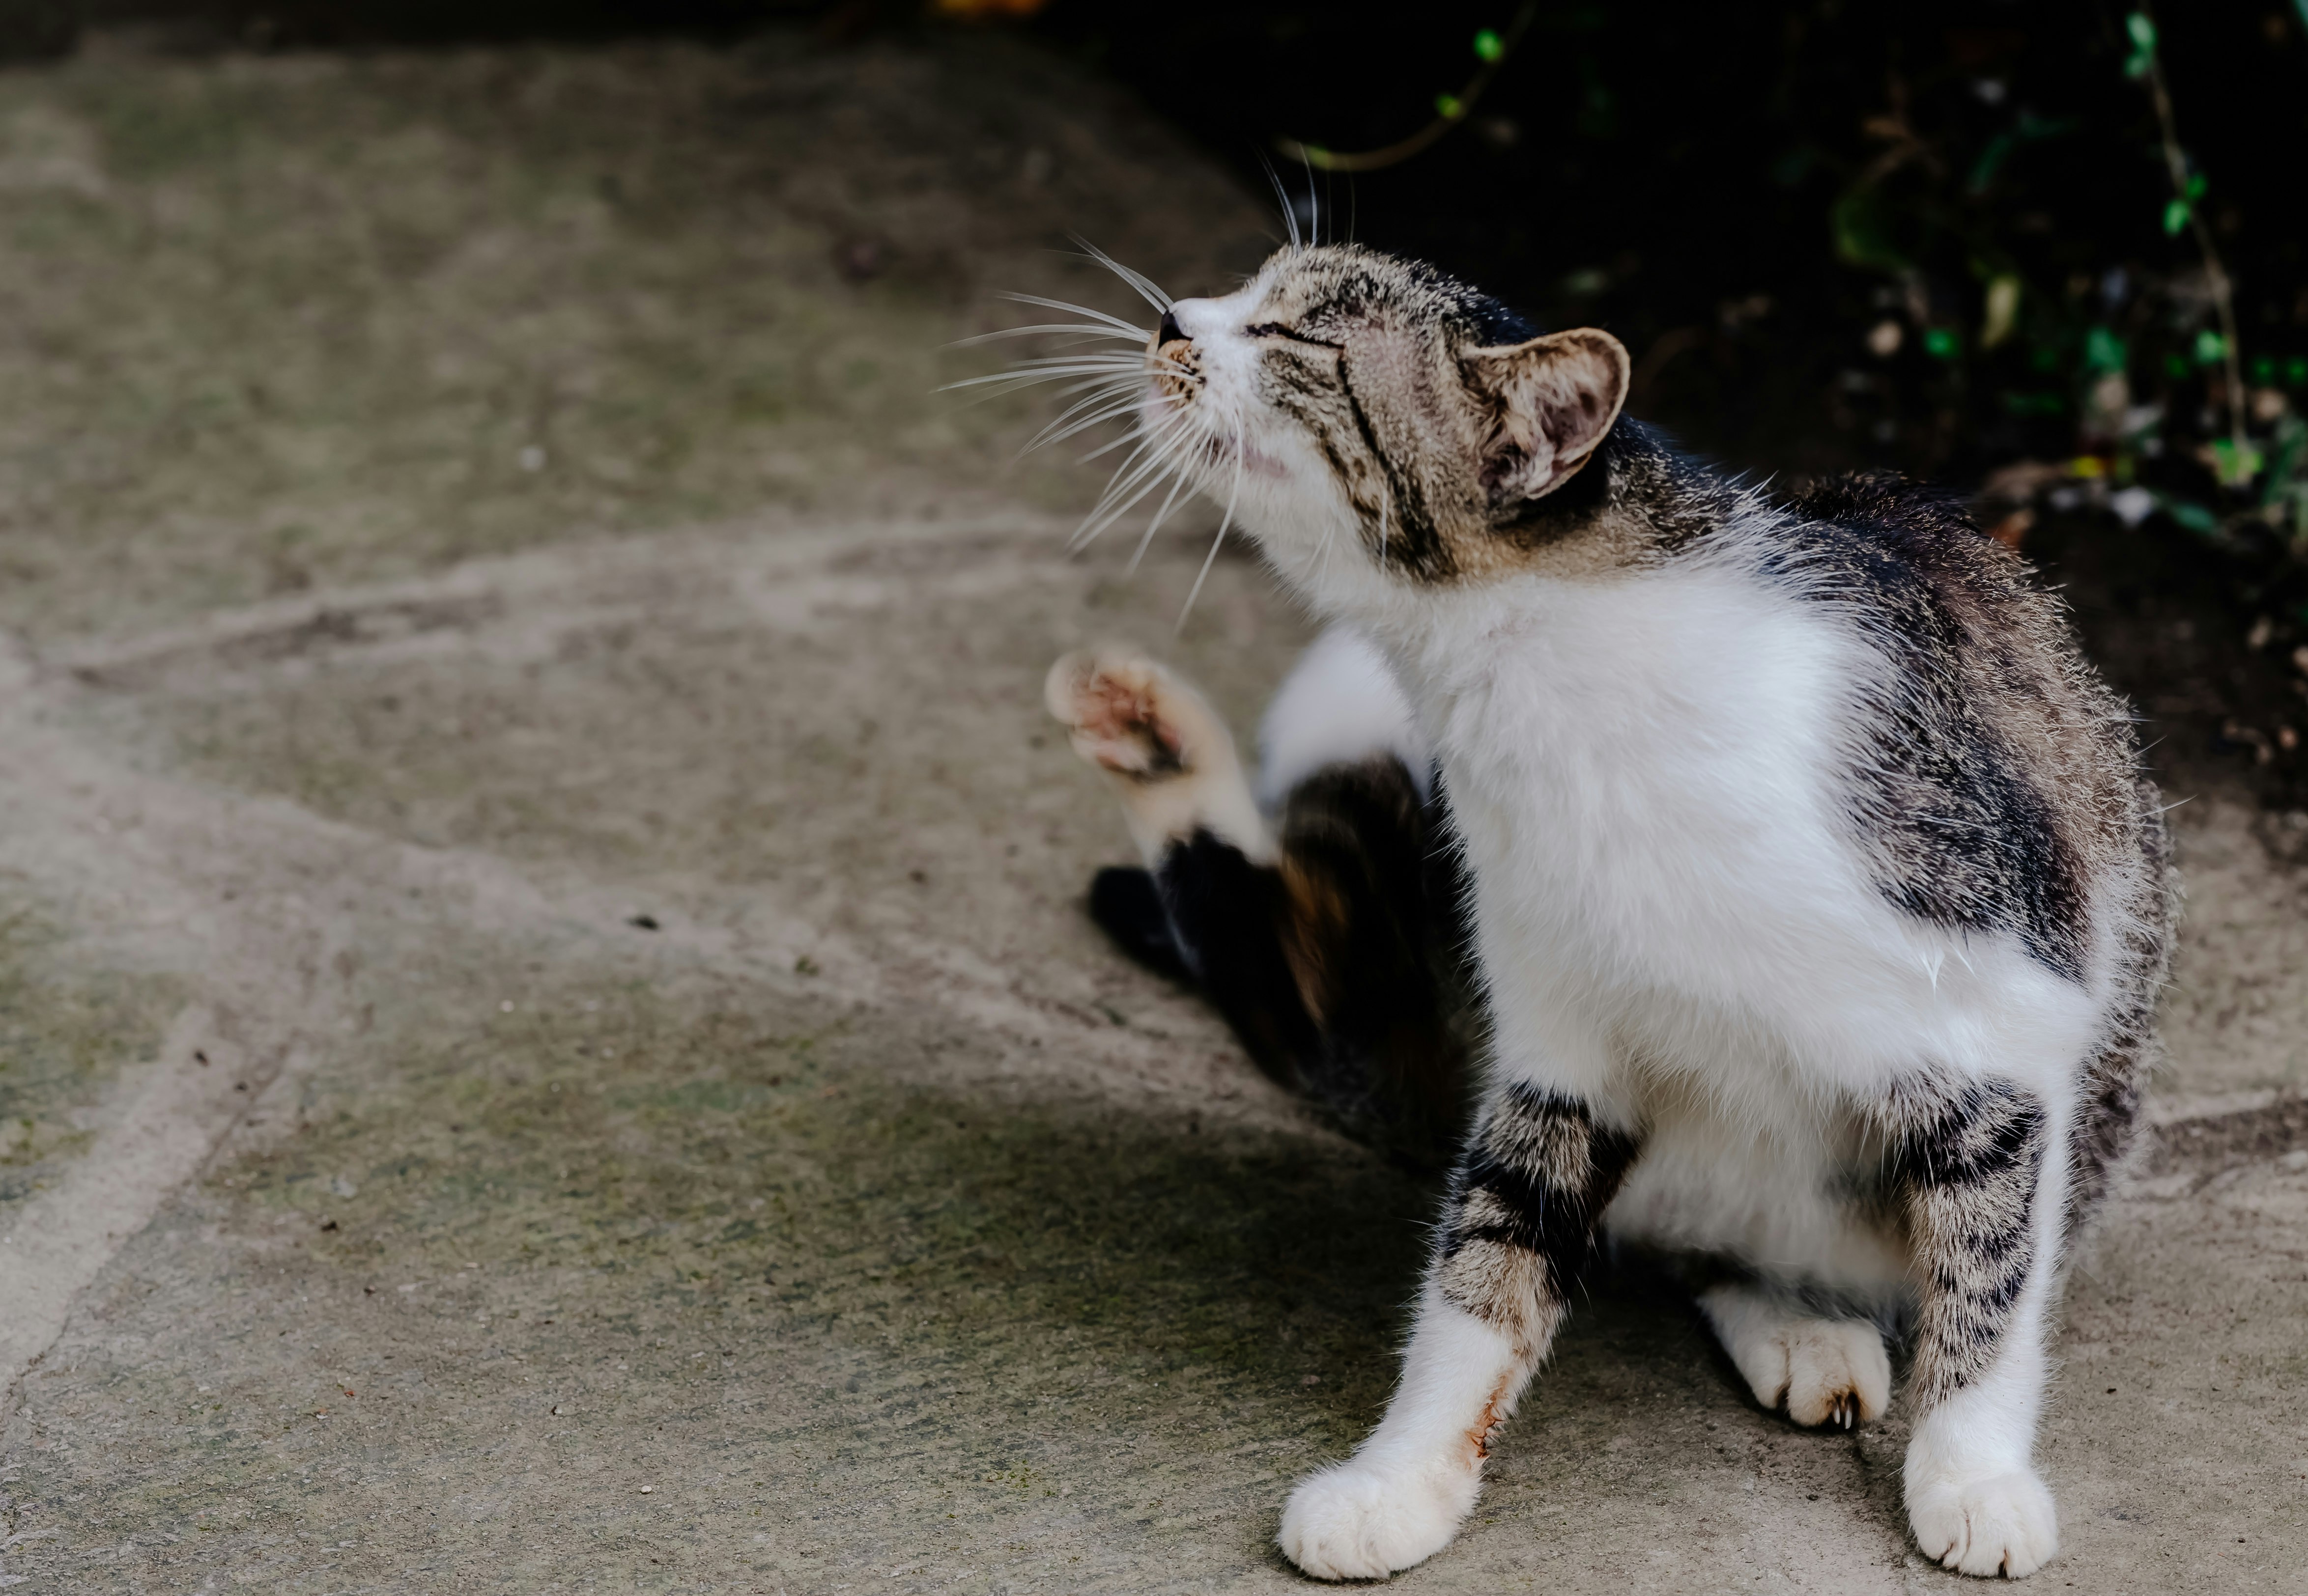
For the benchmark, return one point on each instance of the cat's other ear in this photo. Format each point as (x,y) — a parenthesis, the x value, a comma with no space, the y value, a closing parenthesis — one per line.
(1550,401)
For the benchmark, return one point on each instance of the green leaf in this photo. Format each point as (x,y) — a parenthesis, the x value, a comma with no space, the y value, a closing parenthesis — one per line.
(2190,514)
(2209,348)
(2142,29)
(2175,216)
(2197,184)
(1939,343)
(2233,466)
(2103,352)
(1862,234)
(1489,46)
(2135,65)
(1449,107)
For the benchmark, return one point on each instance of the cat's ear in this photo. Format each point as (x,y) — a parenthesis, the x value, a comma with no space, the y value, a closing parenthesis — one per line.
(1551,401)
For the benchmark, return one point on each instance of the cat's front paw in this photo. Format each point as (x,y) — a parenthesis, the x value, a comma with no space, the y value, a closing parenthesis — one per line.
(2003,1525)
(1359,1522)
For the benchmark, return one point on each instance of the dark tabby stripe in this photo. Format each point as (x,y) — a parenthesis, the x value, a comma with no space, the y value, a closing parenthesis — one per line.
(1969,1157)
(1524,1204)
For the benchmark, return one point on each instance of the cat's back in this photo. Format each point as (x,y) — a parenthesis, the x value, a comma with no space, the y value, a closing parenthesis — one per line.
(1991,773)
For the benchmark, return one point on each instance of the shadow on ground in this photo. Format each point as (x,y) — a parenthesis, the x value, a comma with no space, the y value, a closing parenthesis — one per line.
(547,1035)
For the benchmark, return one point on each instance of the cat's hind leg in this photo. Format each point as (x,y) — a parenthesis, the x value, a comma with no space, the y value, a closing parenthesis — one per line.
(1172,759)
(1822,1371)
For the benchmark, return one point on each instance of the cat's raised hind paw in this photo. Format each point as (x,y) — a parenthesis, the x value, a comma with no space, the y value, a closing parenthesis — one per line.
(2004,1524)
(1173,757)
(1358,1522)
(1126,713)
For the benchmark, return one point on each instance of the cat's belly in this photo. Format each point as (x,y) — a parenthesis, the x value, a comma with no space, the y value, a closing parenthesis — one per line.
(1806,1210)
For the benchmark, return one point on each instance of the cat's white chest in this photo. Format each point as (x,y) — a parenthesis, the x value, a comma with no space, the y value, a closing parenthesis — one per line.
(1645,775)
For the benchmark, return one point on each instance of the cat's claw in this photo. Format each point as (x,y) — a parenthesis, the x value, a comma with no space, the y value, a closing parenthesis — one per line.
(1824,1372)
(2005,1525)
(1357,1522)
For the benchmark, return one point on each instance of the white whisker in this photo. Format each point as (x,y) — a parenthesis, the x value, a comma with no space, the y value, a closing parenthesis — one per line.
(1282,197)
(1086,330)
(1077,309)
(1210,559)
(1113,412)
(1148,289)
(1146,464)
(1048,373)
(1177,485)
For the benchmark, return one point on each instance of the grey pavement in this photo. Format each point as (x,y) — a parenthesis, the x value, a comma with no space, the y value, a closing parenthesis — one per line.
(547,1036)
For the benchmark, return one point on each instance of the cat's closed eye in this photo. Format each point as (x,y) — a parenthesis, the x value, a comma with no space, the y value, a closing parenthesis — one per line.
(1276,330)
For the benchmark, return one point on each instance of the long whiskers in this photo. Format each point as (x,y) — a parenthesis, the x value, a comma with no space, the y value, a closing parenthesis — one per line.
(1148,289)
(1103,383)
(1210,559)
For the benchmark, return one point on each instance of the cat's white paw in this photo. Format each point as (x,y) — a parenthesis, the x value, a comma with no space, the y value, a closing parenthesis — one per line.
(1359,1522)
(1837,1372)
(2003,1525)
(1128,714)
(1172,756)
(1822,1371)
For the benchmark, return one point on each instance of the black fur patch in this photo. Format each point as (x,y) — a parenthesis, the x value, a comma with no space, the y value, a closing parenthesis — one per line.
(1969,1158)
(1968,840)
(1341,967)
(1549,1171)
(1128,907)
(1492,325)
(1225,914)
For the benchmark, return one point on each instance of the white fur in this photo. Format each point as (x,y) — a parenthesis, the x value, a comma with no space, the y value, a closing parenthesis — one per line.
(1674,923)
(1339,703)
(1400,1499)
(1820,1370)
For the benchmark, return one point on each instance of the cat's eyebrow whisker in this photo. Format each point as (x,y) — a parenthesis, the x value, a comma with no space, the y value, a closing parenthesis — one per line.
(1079,309)
(1282,197)
(1148,289)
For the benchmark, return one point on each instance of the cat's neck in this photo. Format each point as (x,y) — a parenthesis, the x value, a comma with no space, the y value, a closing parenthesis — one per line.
(1637,508)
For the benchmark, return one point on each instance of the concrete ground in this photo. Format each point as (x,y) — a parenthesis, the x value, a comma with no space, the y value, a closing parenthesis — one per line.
(547,1039)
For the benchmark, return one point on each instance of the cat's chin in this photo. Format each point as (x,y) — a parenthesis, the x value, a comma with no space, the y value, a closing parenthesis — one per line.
(1360,1521)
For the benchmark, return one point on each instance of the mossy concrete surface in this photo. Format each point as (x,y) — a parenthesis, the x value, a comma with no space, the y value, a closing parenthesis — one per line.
(547,1036)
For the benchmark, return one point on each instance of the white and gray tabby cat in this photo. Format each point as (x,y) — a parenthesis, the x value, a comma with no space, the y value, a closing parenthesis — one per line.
(1818,906)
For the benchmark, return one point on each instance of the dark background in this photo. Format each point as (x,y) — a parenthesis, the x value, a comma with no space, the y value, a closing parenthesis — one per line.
(1743,193)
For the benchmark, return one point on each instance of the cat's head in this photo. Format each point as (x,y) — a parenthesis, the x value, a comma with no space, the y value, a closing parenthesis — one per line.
(1376,424)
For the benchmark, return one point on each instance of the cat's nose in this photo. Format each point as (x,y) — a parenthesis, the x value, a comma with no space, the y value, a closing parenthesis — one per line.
(1169,332)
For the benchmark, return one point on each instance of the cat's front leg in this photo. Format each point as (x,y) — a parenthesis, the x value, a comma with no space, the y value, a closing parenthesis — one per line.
(1984,1195)
(1537,1175)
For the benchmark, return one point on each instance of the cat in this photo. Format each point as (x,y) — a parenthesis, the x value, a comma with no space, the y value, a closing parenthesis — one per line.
(1773,878)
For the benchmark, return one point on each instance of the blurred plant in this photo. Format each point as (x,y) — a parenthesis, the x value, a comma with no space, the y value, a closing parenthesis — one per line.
(2139,371)
(1492,48)
(973,10)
